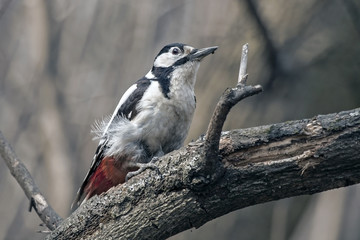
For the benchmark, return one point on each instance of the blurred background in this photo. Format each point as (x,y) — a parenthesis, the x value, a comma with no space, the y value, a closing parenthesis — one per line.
(64,64)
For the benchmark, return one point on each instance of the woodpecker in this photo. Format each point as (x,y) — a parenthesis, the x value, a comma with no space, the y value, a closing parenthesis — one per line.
(152,118)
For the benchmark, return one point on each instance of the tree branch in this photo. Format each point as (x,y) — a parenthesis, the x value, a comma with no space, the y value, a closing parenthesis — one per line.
(27,183)
(230,98)
(261,164)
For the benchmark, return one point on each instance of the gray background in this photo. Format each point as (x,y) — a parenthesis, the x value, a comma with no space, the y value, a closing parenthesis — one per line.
(64,64)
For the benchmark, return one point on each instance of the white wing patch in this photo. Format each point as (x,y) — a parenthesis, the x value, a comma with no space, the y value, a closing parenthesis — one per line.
(121,102)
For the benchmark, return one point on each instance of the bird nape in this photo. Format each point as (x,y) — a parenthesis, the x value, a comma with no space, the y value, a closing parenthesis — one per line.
(152,118)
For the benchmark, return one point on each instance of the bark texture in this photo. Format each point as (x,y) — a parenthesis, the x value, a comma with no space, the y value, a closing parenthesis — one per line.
(260,164)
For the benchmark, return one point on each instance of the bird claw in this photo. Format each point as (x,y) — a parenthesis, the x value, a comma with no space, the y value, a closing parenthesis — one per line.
(143,167)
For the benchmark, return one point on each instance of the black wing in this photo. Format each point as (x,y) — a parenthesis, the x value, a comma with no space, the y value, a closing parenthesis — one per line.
(126,109)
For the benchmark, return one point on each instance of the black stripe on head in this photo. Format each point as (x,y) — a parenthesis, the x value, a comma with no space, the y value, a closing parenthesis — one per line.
(129,106)
(167,48)
(181,61)
(162,75)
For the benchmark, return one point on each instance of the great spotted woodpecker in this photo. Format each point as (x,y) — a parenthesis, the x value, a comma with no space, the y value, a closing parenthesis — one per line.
(152,118)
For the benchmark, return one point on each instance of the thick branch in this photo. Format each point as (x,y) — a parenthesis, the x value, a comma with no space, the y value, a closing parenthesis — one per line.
(23,177)
(261,164)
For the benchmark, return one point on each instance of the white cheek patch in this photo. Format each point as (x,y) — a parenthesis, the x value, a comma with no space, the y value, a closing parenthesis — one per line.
(165,60)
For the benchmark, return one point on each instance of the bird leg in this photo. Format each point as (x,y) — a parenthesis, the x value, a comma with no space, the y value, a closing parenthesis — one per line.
(141,167)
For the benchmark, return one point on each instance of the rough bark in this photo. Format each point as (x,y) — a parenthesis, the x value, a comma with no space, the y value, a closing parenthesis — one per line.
(259,164)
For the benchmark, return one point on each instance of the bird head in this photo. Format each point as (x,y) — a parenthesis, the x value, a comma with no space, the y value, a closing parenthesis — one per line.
(179,62)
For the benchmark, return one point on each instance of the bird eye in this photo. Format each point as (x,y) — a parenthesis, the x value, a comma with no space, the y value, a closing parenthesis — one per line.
(175,51)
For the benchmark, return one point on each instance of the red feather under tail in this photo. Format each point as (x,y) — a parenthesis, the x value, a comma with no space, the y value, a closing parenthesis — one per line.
(109,173)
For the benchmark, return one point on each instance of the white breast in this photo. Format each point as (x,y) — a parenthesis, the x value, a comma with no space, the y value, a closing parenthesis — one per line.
(164,122)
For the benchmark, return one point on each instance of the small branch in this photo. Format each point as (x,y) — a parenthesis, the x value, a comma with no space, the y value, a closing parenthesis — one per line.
(27,183)
(229,98)
(243,63)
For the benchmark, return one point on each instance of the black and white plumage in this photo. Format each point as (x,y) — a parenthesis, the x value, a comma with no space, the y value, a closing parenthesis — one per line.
(152,118)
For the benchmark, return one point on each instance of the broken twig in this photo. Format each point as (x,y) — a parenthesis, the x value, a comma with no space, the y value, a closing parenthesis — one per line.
(230,97)
(27,183)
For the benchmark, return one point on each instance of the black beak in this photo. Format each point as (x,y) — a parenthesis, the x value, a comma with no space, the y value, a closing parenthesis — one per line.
(198,54)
